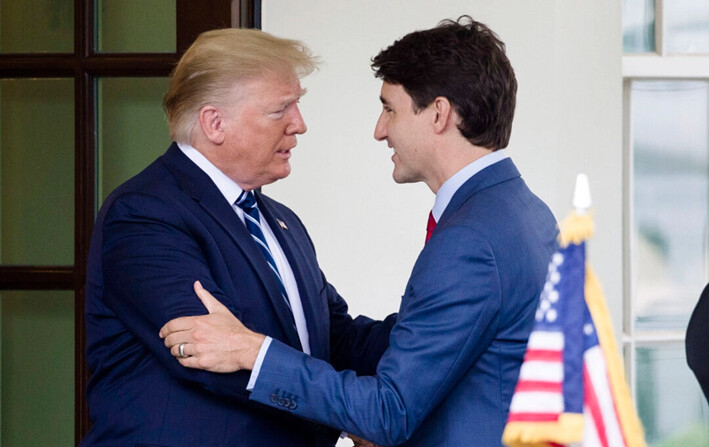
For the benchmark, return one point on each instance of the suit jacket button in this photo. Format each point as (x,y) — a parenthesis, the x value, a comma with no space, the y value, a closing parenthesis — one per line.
(286,402)
(293,405)
(274,398)
(280,401)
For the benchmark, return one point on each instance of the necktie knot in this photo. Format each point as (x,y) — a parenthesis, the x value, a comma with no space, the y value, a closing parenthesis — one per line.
(246,200)
(430,226)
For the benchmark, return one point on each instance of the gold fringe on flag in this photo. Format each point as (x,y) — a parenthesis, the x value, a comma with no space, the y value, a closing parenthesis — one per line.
(575,228)
(567,430)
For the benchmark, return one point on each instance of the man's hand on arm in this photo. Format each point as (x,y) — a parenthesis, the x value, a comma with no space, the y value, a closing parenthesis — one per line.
(216,342)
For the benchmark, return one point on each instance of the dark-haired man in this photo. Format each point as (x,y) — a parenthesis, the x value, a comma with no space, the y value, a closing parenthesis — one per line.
(447,378)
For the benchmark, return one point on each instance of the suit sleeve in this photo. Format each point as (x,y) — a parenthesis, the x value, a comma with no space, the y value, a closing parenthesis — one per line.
(356,344)
(447,320)
(149,264)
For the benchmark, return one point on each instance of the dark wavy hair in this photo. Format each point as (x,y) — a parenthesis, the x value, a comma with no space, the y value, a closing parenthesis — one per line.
(463,61)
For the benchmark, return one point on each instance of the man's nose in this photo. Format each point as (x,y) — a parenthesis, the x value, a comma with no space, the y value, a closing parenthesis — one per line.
(380,129)
(297,125)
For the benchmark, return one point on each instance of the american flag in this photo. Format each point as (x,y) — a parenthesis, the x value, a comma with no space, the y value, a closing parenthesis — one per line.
(566,394)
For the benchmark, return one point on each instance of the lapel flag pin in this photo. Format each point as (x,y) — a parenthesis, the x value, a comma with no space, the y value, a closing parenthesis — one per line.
(282,224)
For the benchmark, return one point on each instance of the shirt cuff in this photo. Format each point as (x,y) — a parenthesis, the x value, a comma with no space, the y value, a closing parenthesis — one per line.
(257,365)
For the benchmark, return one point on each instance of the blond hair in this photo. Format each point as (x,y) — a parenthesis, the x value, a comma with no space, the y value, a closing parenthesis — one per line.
(218,61)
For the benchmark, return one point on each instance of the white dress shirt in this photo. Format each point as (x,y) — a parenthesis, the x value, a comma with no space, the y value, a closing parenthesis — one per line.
(231,191)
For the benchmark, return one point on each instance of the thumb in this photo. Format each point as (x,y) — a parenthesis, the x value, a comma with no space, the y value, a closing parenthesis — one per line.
(212,304)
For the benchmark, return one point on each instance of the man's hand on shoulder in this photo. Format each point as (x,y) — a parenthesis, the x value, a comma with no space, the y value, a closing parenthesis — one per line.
(216,342)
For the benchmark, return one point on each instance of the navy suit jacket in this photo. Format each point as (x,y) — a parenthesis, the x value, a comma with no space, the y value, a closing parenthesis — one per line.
(455,351)
(697,339)
(154,236)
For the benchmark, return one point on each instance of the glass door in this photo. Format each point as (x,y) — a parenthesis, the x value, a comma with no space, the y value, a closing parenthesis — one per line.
(81,86)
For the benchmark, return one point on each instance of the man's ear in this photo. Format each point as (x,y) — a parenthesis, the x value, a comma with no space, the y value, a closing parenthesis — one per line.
(211,120)
(443,113)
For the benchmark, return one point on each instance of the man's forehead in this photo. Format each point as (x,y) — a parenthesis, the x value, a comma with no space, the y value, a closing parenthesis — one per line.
(294,95)
(274,88)
(388,89)
(393,93)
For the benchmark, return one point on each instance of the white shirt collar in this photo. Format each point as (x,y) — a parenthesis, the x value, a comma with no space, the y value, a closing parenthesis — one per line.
(228,187)
(449,188)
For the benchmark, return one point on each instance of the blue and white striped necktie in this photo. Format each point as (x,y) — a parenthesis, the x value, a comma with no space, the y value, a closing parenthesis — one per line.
(252,219)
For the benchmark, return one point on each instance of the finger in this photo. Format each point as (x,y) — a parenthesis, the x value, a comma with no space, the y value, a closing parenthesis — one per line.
(189,362)
(188,349)
(175,351)
(212,304)
(177,325)
(176,338)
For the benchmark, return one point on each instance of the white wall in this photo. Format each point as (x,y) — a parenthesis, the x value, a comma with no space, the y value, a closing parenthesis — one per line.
(369,230)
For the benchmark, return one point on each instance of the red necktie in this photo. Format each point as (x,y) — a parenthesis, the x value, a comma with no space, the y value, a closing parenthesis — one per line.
(431,226)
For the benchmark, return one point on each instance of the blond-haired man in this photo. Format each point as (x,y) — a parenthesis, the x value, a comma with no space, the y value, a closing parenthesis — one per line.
(196,212)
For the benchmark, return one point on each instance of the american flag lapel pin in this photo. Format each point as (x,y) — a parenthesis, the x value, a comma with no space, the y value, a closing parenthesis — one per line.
(282,224)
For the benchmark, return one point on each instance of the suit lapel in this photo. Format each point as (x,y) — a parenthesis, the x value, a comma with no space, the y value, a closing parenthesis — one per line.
(307,289)
(200,187)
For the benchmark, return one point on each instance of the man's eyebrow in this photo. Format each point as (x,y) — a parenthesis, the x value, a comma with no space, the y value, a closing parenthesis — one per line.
(284,101)
(384,101)
(297,97)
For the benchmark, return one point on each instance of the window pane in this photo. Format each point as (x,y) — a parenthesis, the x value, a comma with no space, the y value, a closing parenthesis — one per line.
(638,26)
(37,171)
(136,26)
(37,368)
(669,126)
(132,129)
(40,26)
(687,26)
(670,403)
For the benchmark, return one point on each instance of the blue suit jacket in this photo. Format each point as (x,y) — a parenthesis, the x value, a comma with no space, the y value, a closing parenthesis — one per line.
(455,352)
(154,236)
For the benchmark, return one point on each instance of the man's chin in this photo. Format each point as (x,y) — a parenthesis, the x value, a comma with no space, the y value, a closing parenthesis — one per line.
(281,174)
(401,178)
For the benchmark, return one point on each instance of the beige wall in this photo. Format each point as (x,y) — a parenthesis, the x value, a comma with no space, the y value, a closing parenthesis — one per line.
(368,230)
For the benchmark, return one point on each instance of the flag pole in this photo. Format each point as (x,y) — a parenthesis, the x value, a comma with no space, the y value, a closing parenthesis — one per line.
(579,227)
(581,201)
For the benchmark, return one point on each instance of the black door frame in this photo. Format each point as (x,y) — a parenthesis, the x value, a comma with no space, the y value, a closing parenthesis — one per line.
(85,65)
